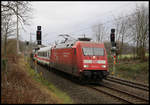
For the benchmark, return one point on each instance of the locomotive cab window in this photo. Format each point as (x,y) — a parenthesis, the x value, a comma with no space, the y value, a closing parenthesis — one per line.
(98,51)
(87,51)
(90,51)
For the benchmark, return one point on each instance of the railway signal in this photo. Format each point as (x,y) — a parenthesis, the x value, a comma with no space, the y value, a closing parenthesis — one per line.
(113,48)
(39,35)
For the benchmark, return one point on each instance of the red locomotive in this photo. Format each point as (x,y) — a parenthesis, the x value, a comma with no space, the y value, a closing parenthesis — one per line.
(81,58)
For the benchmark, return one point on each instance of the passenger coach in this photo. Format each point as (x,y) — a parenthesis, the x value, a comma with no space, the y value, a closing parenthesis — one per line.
(43,55)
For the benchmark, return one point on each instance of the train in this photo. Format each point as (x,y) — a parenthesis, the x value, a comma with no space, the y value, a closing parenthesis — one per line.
(81,58)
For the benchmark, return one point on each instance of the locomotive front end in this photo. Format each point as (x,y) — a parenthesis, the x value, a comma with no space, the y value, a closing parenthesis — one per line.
(94,62)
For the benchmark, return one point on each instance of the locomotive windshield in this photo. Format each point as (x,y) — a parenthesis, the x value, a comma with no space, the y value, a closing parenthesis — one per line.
(93,51)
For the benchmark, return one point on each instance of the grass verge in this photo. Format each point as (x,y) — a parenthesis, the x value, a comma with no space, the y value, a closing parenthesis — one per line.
(61,95)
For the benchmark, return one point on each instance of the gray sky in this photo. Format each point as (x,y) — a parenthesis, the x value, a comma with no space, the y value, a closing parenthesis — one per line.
(75,18)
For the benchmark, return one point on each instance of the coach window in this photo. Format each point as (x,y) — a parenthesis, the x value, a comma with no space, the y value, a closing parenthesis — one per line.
(45,54)
(87,51)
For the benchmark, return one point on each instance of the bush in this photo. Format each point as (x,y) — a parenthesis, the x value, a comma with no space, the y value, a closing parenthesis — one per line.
(133,71)
(4,64)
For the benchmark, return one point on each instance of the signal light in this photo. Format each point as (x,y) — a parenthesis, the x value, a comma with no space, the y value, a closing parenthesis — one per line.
(39,42)
(112,38)
(38,27)
(38,35)
(113,30)
(112,35)
(27,43)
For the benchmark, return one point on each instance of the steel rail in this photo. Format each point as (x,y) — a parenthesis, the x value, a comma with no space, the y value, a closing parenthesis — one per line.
(128,83)
(125,92)
(136,83)
(112,95)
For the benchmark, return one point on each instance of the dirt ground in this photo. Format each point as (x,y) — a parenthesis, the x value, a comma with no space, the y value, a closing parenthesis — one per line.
(17,87)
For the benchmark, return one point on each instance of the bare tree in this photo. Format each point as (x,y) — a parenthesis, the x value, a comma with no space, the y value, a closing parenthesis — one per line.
(122,34)
(7,30)
(20,9)
(139,23)
(99,32)
(8,13)
(23,13)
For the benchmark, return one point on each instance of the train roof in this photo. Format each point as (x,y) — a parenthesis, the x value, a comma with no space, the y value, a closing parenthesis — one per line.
(44,49)
(68,43)
(74,43)
(90,44)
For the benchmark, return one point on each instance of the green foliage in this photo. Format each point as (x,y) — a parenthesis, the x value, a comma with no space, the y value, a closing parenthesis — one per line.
(133,71)
(3,64)
(130,56)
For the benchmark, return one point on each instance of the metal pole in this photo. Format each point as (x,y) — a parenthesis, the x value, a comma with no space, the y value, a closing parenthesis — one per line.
(35,62)
(30,42)
(114,63)
(26,54)
(17,32)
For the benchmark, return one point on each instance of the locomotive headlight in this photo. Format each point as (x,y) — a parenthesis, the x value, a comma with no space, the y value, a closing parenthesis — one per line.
(103,66)
(85,66)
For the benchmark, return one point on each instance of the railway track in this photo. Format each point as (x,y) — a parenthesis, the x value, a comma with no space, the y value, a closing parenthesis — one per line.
(121,95)
(128,83)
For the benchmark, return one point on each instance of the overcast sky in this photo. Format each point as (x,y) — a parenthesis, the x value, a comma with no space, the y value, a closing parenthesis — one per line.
(74,18)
